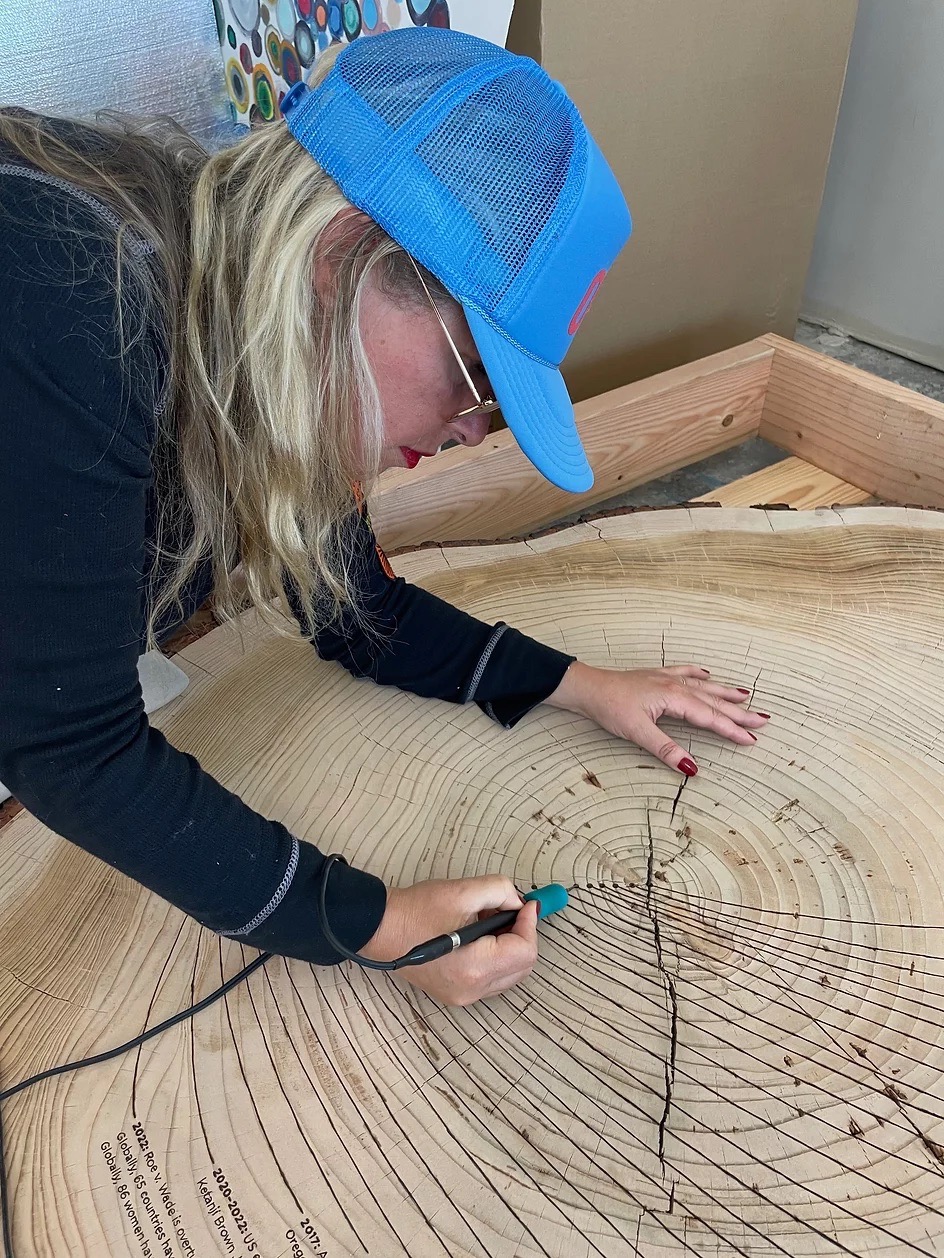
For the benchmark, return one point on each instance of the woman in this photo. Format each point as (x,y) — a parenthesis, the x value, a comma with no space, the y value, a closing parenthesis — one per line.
(200,357)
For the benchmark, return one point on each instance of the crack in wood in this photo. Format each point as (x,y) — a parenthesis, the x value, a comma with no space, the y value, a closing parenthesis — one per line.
(669,986)
(686,834)
(934,1150)
(678,796)
(41,991)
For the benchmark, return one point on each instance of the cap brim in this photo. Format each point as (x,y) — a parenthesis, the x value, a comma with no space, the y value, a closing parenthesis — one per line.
(536,406)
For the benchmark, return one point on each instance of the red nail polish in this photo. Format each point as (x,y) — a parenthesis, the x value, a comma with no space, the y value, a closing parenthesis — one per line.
(765,715)
(742,691)
(754,736)
(688,767)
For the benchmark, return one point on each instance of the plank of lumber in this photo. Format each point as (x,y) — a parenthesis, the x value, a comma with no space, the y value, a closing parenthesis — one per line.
(798,484)
(631,435)
(880,436)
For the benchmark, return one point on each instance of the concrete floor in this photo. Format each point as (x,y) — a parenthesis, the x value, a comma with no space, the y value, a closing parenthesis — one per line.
(880,362)
(701,478)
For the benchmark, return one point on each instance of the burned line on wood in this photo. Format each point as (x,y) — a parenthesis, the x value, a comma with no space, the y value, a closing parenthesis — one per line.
(659,1008)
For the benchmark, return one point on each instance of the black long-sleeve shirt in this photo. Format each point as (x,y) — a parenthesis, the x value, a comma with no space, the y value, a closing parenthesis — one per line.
(77,516)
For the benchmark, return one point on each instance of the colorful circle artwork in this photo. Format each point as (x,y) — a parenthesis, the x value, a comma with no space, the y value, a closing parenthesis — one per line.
(304,44)
(335,20)
(237,85)
(351,19)
(285,16)
(263,89)
(428,12)
(246,13)
(370,15)
(270,46)
(220,24)
(291,70)
(273,47)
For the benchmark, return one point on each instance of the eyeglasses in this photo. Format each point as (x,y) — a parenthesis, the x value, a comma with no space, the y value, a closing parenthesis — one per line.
(483,405)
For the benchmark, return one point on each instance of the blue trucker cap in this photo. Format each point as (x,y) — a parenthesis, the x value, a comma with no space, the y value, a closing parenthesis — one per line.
(478,164)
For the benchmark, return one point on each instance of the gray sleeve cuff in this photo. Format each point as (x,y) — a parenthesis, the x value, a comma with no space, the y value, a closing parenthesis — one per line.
(479,671)
(278,896)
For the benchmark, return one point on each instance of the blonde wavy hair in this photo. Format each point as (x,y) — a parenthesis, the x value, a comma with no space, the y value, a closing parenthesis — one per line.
(270,412)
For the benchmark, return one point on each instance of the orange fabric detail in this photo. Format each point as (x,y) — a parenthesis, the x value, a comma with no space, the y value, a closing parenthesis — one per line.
(385,564)
(362,508)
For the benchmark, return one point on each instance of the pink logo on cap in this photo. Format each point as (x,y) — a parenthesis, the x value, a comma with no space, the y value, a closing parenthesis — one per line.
(586,302)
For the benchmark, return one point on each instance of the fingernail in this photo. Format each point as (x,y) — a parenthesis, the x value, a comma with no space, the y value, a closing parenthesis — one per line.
(765,715)
(688,767)
(742,691)
(754,736)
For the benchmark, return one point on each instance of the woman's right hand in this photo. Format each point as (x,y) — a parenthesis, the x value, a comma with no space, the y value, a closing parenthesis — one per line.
(476,970)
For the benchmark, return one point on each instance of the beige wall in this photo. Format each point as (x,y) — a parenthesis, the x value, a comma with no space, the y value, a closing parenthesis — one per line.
(878,265)
(717,117)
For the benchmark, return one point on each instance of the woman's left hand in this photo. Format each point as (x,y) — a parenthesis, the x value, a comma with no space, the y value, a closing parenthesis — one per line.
(629,704)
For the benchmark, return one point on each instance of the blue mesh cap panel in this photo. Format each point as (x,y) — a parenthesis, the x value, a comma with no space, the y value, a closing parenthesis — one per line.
(496,141)
(506,154)
(471,158)
(396,83)
(386,179)
(480,166)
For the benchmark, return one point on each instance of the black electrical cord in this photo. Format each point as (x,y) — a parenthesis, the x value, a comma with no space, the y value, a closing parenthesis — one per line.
(329,934)
(99,1057)
(424,952)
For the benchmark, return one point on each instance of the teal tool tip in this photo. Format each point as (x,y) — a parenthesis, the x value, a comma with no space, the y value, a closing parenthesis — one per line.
(550,899)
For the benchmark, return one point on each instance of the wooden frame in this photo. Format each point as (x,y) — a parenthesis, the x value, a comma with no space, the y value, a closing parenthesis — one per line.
(854,437)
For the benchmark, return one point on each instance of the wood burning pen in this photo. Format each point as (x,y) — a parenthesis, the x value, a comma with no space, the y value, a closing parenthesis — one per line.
(550,899)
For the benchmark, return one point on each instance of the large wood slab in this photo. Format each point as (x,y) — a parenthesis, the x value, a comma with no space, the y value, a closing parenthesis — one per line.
(732,1043)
